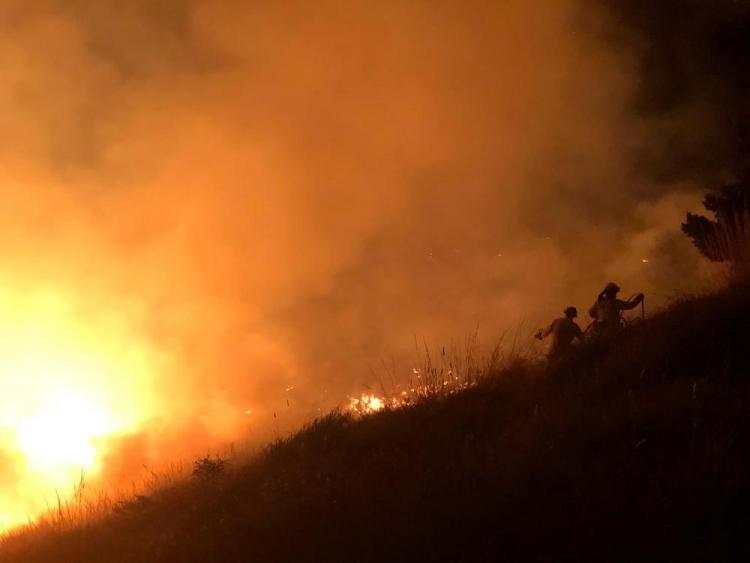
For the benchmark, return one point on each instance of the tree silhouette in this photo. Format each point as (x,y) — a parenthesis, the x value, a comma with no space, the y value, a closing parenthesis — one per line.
(726,238)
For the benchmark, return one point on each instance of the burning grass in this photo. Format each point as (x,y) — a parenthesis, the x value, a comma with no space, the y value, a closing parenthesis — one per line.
(456,368)
(635,452)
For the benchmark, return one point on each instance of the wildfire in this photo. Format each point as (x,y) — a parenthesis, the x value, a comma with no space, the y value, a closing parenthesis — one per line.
(437,382)
(369,403)
(366,404)
(67,386)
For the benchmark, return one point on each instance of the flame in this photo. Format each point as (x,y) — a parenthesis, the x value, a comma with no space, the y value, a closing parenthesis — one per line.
(370,403)
(366,404)
(69,383)
(439,382)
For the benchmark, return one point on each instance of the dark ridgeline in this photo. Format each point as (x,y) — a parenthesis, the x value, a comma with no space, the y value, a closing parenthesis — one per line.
(637,453)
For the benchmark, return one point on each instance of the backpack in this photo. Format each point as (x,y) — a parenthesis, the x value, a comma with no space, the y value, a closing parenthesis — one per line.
(594,311)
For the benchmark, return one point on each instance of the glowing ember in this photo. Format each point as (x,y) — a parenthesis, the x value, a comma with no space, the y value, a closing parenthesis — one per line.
(366,404)
(369,403)
(426,383)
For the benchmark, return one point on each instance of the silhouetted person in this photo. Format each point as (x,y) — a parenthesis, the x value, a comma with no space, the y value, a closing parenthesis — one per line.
(607,311)
(563,330)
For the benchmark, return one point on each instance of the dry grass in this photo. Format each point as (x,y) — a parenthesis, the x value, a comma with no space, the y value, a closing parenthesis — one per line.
(637,451)
(87,506)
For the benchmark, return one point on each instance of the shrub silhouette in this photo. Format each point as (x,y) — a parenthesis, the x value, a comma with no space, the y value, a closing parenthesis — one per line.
(207,470)
(726,238)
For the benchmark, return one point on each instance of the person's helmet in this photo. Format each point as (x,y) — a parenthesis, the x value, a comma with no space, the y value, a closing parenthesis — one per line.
(571,312)
(611,289)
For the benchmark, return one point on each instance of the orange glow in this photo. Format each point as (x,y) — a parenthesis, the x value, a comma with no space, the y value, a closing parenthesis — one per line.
(213,228)
(370,403)
(68,384)
(366,404)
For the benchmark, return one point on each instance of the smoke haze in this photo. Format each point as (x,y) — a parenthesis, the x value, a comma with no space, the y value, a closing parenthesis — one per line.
(260,200)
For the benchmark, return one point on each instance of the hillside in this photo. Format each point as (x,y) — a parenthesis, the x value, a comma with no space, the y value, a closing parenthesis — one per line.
(640,452)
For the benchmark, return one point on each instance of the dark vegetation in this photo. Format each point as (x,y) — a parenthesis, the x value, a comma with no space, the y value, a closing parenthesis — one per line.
(632,453)
(726,237)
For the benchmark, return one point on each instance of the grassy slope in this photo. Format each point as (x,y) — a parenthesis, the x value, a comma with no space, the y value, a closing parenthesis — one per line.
(641,452)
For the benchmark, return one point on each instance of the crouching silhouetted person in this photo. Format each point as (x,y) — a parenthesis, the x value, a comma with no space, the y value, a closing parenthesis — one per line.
(564,331)
(607,312)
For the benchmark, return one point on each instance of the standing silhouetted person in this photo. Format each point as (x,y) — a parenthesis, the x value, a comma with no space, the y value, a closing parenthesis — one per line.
(563,330)
(607,311)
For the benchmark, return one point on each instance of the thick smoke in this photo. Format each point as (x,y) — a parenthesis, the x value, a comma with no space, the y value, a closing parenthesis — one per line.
(692,84)
(271,197)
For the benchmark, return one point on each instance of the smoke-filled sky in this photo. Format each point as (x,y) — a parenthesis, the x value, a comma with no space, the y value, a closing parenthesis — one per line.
(242,197)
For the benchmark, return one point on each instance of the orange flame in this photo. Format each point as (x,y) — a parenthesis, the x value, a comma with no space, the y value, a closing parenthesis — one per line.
(370,403)
(366,404)
(67,386)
